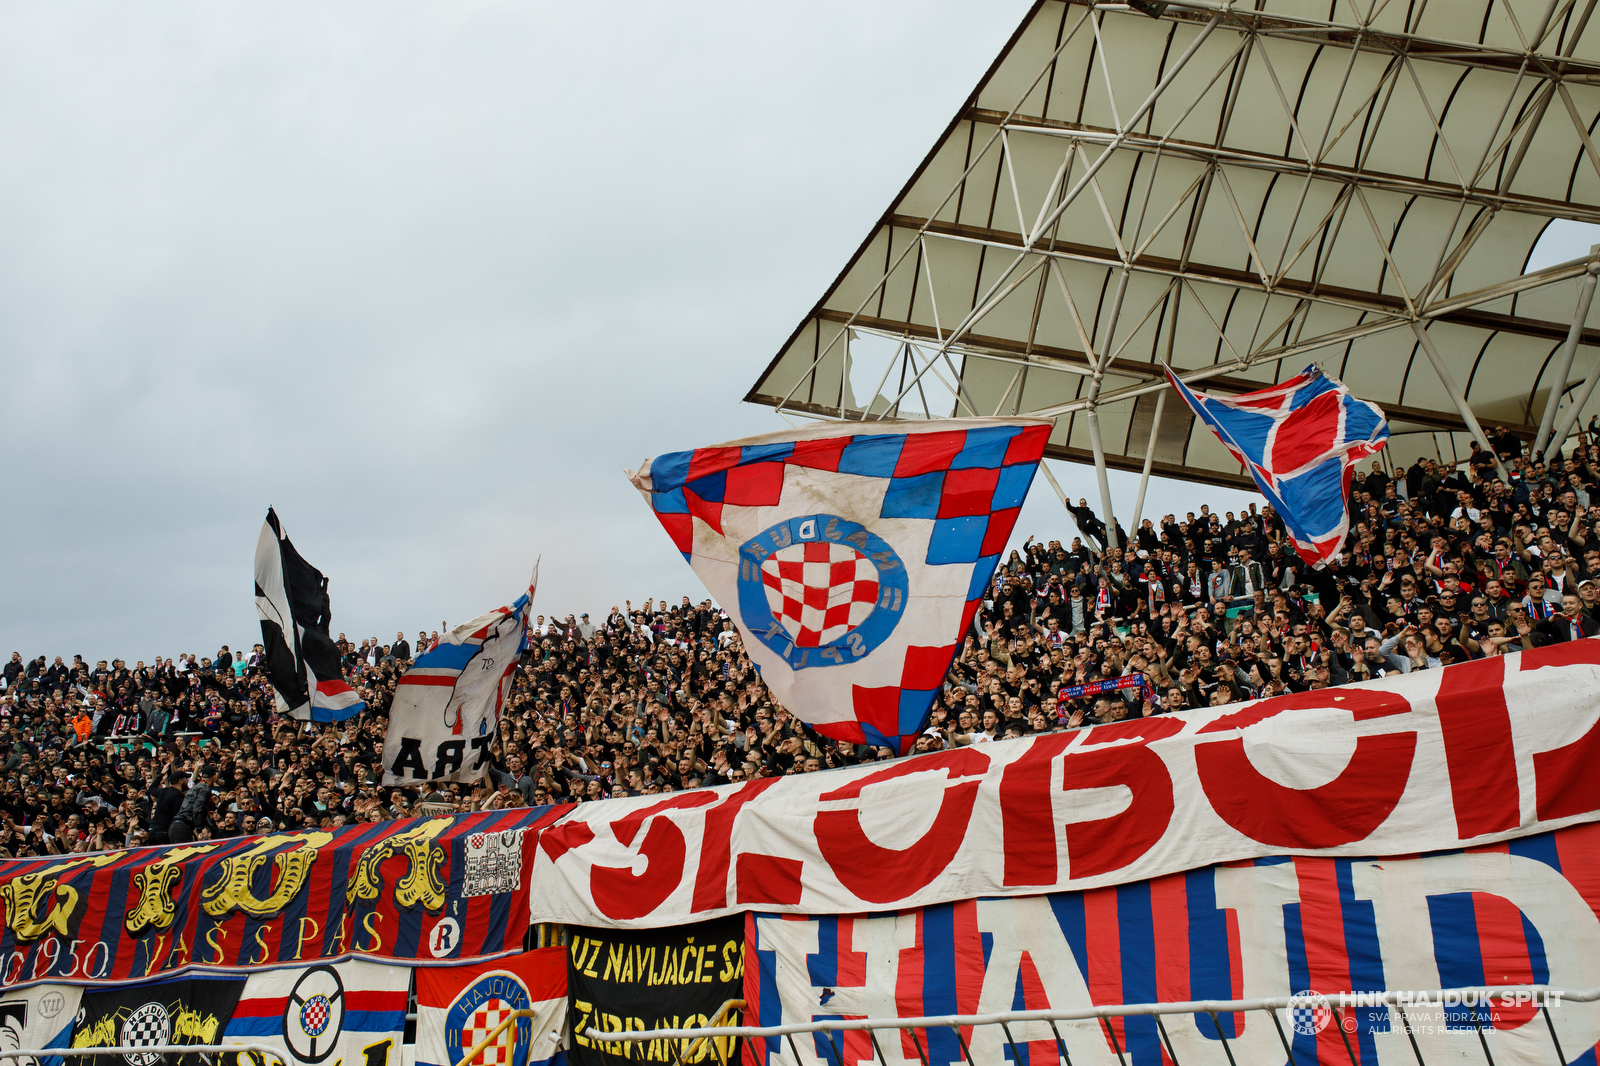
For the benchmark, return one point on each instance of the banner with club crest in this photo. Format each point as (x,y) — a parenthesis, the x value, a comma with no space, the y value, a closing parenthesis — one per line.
(187,1010)
(851,558)
(351,1012)
(461,1007)
(429,891)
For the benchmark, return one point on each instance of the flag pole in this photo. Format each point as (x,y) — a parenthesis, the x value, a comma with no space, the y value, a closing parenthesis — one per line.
(1149,454)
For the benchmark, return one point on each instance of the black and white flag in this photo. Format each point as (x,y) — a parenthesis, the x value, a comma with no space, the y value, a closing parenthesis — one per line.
(301,659)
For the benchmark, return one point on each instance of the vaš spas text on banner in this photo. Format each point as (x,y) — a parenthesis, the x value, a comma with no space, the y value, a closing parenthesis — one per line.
(428,890)
(851,559)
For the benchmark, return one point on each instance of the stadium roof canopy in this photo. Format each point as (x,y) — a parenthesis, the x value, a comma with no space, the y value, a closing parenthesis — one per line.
(1237,191)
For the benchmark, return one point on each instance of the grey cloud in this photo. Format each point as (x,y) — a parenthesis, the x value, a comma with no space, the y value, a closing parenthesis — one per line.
(425,277)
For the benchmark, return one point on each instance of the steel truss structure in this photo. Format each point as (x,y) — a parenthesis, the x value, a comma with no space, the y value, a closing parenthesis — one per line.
(1235,190)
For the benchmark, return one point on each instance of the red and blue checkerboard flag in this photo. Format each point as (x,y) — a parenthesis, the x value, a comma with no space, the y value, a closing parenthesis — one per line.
(851,558)
(1300,440)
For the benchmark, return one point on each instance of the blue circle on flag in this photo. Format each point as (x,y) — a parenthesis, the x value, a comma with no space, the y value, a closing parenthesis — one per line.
(820,590)
(479,1010)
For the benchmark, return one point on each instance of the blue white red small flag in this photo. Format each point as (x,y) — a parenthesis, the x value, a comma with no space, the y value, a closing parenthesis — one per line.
(1300,441)
(458,1007)
(446,708)
(851,558)
(351,1011)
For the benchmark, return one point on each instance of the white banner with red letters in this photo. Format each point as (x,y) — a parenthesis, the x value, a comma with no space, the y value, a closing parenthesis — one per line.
(1480,752)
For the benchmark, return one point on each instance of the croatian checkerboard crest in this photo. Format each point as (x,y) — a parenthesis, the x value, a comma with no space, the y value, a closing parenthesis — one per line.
(478,1011)
(820,590)
(851,559)
(313,1016)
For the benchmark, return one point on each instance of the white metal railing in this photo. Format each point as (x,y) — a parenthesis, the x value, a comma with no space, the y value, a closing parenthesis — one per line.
(267,1051)
(1471,998)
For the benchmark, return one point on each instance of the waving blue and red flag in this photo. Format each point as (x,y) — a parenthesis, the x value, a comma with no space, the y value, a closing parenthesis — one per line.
(1300,440)
(851,559)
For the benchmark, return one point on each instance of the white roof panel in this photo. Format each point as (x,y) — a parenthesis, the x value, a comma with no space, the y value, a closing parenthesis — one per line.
(1236,193)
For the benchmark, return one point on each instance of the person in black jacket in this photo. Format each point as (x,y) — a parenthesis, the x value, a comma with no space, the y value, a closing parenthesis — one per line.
(191,816)
(1088,522)
(167,802)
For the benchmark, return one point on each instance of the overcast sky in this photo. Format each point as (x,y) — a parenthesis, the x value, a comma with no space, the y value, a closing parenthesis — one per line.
(426,277)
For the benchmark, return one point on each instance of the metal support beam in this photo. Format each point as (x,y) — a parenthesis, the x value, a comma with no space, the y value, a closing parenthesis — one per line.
(985,263)
(1454,392)
(1570,415)
(1102,360)
(1100,475)
(1559,389)
(1322,170)
(1149,455)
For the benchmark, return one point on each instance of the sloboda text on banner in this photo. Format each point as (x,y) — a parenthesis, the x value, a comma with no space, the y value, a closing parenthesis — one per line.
(1481,751)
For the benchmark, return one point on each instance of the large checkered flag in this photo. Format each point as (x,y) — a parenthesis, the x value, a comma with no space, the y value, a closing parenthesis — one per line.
(301,659)
(852,560)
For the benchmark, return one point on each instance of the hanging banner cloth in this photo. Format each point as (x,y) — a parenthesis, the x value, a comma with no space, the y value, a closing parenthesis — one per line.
(1479,752)
(1516,915)
(427,891)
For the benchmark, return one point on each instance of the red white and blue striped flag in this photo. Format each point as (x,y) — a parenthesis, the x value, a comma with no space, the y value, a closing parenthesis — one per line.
(446,709)
(352,1011)
(1300,441)
(459,1007)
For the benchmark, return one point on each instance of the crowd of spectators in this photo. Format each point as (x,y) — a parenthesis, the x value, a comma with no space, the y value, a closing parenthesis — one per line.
(1442,564)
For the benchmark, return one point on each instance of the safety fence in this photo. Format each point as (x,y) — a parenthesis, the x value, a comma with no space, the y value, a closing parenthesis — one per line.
(1471,1009)
(266,1053)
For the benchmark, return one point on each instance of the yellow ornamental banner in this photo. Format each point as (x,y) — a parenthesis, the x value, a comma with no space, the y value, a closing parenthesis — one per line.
(446,889)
